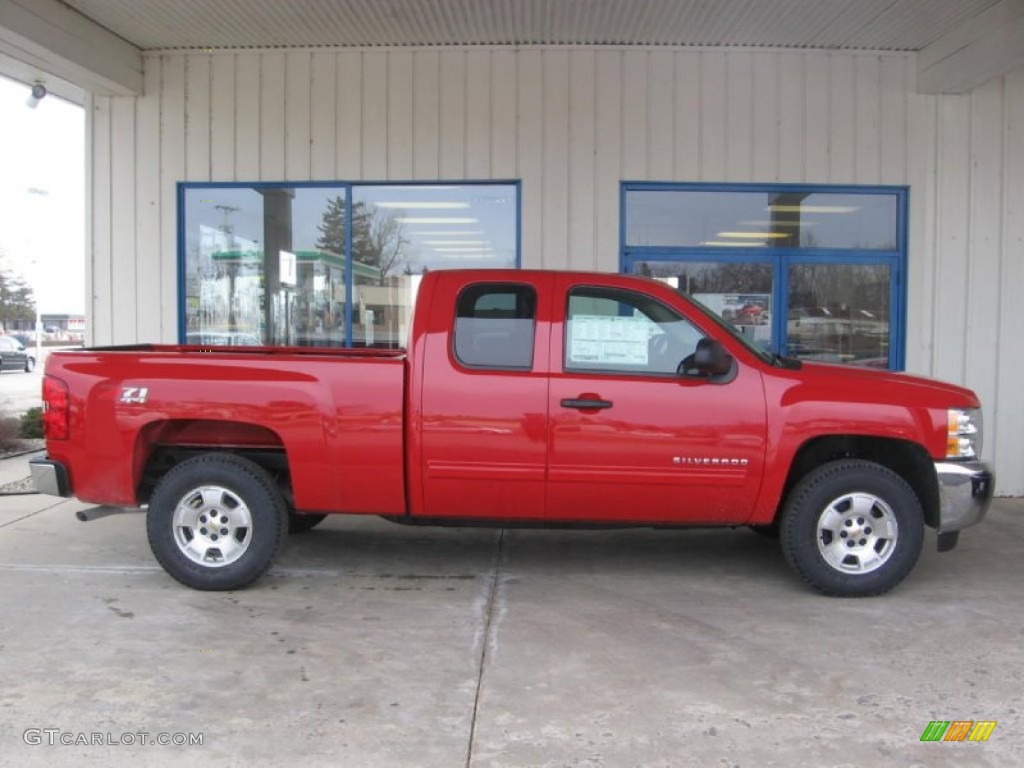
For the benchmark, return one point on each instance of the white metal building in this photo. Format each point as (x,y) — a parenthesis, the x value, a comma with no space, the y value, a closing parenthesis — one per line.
(569,102)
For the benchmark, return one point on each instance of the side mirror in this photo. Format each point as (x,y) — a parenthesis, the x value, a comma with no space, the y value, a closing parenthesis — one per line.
(711,360)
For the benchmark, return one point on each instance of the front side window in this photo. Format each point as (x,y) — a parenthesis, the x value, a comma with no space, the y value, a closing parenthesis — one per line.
(494,326)
(330,265)
(617,331)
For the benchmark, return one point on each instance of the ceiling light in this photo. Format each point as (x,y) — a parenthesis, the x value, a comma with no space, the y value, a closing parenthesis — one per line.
(754,235)
(421,205)
(456,242)
(434,220)
(732,244)
(447,232)
(813,208)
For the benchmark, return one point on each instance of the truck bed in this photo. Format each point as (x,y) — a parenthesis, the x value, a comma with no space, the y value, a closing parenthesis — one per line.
(141,399)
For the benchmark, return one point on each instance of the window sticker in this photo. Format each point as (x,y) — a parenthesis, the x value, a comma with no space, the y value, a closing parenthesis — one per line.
(603,340)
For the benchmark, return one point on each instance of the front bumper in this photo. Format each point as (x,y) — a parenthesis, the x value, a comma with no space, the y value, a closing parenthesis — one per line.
(965,492)
(50,477)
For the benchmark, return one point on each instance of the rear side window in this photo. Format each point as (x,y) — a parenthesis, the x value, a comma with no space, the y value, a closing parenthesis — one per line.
(494,326)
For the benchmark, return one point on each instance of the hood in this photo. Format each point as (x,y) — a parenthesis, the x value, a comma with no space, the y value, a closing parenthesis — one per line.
(854,384)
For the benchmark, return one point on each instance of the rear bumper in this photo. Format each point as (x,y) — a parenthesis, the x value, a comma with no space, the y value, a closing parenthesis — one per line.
(50,477)
(965,492)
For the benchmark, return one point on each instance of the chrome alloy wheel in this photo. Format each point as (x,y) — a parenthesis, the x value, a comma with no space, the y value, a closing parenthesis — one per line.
(857,533)
(212,526)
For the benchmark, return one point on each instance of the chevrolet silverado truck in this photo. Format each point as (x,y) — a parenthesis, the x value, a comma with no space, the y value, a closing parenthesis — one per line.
(523,398)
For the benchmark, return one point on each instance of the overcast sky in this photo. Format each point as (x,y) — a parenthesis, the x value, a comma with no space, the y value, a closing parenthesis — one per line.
(42,233)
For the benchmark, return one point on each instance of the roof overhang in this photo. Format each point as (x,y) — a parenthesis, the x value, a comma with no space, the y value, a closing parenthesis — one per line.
(49,42)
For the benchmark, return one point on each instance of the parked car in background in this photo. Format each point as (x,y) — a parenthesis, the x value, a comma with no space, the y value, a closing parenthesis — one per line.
(14,356)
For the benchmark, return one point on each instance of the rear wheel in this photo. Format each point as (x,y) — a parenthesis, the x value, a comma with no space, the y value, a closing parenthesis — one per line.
(216,522)
(852,528)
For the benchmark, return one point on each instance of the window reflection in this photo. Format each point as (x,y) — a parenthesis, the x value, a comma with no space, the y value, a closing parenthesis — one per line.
(756,219)
(740,293)
(270,264)
(839,313)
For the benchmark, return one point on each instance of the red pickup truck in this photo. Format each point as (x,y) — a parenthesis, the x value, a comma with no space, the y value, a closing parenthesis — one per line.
(523,398)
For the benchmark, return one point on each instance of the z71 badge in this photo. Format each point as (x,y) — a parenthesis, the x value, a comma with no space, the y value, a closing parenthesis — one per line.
(134,394)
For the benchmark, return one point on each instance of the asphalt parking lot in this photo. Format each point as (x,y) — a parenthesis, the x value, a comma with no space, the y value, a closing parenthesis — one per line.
(372,644)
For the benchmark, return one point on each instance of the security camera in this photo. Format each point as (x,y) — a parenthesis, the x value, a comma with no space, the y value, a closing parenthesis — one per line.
(38,94)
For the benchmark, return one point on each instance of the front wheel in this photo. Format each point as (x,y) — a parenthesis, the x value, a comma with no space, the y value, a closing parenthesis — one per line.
(30,364)
(852,528)
(216,522)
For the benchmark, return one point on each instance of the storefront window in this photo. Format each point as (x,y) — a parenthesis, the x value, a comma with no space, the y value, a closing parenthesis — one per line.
(279,265)
(810,272)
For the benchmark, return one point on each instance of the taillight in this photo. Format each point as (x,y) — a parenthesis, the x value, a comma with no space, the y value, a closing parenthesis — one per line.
(56,408)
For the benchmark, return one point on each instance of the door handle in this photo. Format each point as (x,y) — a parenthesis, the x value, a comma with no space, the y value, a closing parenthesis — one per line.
(585,403)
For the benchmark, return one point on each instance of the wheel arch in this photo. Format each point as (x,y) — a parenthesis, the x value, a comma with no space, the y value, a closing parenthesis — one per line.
(907,459)
(161,445)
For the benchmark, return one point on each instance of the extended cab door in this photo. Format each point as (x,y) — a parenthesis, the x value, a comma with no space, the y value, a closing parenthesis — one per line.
(483,408)
(629,439)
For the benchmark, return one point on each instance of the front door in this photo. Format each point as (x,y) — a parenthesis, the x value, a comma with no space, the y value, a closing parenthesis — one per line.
(630,440)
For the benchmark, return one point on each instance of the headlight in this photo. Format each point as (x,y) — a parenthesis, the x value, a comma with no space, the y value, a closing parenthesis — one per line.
(963,438)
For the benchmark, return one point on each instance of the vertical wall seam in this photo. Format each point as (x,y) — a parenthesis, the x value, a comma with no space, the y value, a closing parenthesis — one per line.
(940,140)
(465,112)
(1001,250)
(309,107)
(968,236)
(543,152)
(209,122)
(440,110)
(568,161)
(185,109)
(595,204)
(700,116)
(648,107)
(803,117)
(337,118)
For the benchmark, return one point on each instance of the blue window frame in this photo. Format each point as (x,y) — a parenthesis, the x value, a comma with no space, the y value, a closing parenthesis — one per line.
(812,271)
(329,263)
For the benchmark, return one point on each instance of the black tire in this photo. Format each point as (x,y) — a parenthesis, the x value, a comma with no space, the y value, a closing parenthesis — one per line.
(852,528)
(201,498)
(30,364)
(301,523)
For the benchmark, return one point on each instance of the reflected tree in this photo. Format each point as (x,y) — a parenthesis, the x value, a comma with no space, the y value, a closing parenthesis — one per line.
(377,238)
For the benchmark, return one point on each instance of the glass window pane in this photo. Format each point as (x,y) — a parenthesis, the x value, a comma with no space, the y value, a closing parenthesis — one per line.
(403,231)
(839,313)
(494,326)
(739,293)
(761,219)
(618,331)
(264,265)
(267,264)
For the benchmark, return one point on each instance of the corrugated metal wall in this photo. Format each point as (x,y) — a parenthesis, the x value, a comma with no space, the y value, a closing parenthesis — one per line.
(572,123)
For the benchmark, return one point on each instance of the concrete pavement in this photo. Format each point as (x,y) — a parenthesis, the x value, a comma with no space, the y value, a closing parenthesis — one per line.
(376,645)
